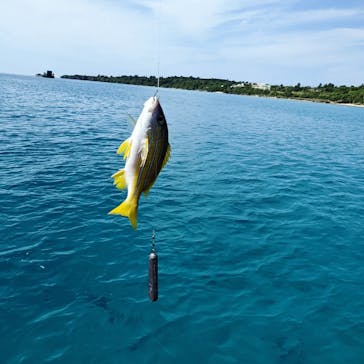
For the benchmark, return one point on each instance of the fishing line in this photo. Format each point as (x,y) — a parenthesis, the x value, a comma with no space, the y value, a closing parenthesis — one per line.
(159,9)
(153,257)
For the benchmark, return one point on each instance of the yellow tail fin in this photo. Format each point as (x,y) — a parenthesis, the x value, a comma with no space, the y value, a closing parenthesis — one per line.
(128,208)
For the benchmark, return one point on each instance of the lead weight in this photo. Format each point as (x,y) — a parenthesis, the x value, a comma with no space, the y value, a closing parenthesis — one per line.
(153,277)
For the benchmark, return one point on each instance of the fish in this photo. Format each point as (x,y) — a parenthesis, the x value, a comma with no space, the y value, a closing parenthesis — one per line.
(146,152)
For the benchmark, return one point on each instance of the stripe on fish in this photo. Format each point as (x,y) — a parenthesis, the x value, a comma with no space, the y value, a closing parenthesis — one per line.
(146,152)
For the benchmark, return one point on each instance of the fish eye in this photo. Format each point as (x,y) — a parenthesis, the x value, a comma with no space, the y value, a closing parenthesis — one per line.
(160,119)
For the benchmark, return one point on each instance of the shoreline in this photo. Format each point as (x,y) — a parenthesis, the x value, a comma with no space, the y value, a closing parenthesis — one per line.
(221,86)
(317,101)
(354,105)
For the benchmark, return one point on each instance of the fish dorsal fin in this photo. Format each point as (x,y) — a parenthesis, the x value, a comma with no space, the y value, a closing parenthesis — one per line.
(131,119)
(144,151)
(125,148)
(119,179)
(166,157)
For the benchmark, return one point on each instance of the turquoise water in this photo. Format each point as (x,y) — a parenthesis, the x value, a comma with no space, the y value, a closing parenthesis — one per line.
(258,215)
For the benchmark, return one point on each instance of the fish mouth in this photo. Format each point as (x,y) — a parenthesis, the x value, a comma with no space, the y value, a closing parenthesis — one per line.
(155,104)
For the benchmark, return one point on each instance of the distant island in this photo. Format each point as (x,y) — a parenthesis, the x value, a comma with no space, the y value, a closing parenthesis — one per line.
(48,74)
(328,93)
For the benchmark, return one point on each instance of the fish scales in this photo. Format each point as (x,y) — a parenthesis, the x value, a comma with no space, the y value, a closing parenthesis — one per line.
(146,152)
(157,148)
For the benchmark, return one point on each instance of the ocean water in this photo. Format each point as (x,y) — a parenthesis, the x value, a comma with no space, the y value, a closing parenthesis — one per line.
(258,216)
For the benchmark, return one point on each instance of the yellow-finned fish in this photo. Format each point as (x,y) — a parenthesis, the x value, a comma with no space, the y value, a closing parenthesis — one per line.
(146,152)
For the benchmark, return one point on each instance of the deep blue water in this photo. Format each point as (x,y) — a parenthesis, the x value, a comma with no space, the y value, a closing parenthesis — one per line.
(258,215)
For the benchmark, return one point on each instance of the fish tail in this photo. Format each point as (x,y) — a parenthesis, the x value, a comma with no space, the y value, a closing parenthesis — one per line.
(129,209)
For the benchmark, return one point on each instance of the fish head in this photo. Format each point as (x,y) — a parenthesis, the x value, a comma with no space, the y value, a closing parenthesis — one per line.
(154,108)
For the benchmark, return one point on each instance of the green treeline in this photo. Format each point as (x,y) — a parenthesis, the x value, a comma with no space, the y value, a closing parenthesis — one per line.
(322,93)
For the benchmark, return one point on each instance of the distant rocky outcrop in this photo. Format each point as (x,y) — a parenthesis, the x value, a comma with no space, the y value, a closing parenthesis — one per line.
(48,74)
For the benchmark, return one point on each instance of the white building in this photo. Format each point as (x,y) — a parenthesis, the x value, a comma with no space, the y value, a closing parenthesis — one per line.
(261,86)
(238,85)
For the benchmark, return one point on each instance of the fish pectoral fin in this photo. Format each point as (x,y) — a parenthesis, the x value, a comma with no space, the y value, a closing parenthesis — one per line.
(125,148)
(166,157)
(144,151)
(119,179)
(129,209)
(131,119)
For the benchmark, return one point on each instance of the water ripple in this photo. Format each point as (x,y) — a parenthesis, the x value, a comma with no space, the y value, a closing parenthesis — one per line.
(258,217)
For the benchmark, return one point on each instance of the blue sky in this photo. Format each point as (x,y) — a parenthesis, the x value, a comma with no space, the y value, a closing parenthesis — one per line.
(273,41)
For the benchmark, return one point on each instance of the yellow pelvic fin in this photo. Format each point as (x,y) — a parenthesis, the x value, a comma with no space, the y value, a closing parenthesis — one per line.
(119,179)
(125,148)
(128,208)
(166,157)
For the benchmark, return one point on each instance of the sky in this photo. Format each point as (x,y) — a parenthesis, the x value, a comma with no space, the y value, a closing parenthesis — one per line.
(270,41)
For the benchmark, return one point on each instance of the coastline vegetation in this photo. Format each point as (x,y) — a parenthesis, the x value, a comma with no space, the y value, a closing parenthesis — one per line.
(328,93)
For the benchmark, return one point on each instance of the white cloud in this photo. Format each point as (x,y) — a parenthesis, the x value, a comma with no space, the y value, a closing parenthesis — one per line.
(267,40)
(84,32)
